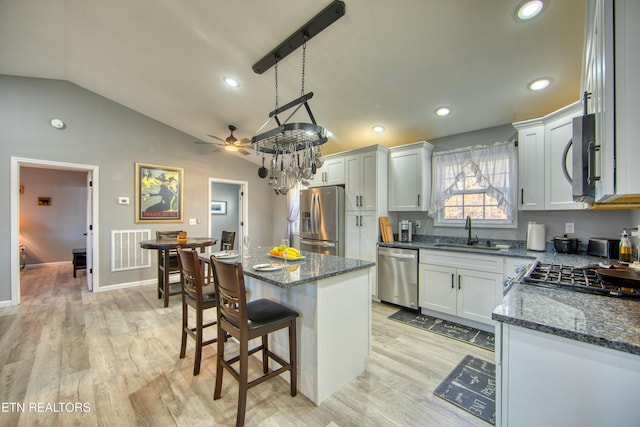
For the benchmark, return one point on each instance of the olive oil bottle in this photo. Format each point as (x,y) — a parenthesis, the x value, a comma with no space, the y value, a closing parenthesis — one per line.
(625,247)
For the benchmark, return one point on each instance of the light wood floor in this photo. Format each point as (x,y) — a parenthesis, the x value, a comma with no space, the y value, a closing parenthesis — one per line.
(117,353)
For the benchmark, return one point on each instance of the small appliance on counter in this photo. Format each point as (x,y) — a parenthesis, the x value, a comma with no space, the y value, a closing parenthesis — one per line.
(536,237)
(405,231)
(566,245)
(603,247)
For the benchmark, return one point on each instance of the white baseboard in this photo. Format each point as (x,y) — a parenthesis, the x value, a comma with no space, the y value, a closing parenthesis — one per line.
(106,288)
(4,304)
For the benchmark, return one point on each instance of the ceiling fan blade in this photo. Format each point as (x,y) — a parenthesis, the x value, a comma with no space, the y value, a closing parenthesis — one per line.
(218,149)
(243,151)
(219,139)
(243,141)
(205,142)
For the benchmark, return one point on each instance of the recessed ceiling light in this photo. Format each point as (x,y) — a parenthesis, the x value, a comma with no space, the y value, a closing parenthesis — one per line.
(443,111)
(230,81)
(529,9)
(378,128)
(539,84)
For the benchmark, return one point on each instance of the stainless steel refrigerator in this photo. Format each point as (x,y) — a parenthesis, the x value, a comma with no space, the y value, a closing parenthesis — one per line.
(322,220)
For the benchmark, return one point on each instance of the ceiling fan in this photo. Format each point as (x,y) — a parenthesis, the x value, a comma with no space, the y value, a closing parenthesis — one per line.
(230,143)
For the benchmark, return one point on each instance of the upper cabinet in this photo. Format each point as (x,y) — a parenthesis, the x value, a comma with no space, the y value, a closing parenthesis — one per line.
(366,178)
(332,172)
(610,76)
(410,177)
(544,161)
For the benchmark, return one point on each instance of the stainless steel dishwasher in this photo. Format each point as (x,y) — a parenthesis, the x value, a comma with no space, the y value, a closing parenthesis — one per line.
(398,276)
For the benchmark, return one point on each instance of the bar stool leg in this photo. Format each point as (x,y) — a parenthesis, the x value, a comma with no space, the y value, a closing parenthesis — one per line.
(243,379)
(185,323)
(293,358)
(265,355)
(219,369)
(196,364)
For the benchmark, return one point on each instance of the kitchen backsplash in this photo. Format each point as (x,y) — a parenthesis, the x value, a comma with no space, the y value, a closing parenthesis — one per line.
(588,224)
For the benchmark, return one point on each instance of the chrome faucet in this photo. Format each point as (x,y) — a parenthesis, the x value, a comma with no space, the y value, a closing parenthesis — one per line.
(467,226)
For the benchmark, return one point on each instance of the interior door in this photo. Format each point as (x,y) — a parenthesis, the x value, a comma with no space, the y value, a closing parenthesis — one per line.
(89,231)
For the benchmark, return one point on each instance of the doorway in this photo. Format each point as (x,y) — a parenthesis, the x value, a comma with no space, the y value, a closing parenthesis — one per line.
(91,240)
(229,209)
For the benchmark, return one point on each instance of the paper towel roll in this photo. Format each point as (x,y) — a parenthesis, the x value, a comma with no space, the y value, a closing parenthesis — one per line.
(536,237)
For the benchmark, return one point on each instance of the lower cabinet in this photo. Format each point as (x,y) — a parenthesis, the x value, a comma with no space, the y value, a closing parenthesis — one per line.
(471,293)
(546,380)
(361,233)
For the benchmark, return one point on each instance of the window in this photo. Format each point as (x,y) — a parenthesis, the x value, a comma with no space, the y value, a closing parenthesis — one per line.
(478,182)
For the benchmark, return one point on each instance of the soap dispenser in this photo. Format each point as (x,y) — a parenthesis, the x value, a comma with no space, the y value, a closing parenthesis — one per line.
(625,247)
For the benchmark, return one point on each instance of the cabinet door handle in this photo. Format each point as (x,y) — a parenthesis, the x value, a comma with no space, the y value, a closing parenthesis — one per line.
(418,200)
(360,220)
(459,281)
(522,196)
(452,280)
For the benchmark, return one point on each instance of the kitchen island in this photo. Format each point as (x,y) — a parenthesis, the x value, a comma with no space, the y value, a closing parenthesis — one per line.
(566,358)
(333,296)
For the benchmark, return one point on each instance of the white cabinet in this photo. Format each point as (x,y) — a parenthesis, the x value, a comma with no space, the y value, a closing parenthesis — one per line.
(544,152)
(531,164)
(332,172)
(366,179)
(472,292)
(410,177)
(543,380)
(610,75)
(361,235)
(366,176)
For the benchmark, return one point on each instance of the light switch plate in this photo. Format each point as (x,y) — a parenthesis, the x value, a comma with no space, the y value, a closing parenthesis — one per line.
(569,227)
(193,221)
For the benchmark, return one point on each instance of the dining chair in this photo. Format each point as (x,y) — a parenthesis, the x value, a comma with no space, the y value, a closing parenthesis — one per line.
(246,321)
(200,297)
(227,240)
(165,290)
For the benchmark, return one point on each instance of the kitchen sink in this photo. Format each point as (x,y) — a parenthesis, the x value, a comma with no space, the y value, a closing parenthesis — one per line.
(468,247)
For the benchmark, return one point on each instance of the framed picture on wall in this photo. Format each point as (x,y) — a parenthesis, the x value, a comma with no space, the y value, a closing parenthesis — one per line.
(158,193)
(218,208)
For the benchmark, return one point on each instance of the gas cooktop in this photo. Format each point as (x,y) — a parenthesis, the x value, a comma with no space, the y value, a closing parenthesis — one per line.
(579,279)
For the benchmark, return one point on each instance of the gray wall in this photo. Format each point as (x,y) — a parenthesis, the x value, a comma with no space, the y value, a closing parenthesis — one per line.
(587,223)
(49,233)
(226,192)
(103,133)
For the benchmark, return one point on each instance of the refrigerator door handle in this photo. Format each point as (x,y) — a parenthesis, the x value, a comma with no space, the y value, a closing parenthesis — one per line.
(316,214)
(321,244)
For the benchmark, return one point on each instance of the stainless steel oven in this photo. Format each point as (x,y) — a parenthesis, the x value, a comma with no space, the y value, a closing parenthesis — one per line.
(398,276)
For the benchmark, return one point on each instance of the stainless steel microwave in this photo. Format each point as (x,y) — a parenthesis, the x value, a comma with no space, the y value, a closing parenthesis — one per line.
(584,159)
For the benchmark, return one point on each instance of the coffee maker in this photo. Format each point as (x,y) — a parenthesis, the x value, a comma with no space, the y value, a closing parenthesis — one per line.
(405,231)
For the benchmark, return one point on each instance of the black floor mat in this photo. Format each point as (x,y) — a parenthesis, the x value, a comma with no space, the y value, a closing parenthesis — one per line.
(471,386)
(466,334)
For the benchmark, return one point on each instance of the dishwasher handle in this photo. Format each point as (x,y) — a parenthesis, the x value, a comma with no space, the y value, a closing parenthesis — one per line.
(394,255)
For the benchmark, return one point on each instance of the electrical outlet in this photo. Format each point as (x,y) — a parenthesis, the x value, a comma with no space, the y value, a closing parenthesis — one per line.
(569,227)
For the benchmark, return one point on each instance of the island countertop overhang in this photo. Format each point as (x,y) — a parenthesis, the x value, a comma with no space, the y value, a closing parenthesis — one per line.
(312,268)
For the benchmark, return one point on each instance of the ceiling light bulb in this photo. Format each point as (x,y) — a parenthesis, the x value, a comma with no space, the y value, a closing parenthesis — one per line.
(230,81)
(378,128)
(529,9)
(231,148)
(443,111)
(539,84)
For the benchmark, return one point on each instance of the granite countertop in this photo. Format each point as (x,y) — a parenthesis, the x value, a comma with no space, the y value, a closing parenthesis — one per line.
(605,321)
(517,249)
(312,268)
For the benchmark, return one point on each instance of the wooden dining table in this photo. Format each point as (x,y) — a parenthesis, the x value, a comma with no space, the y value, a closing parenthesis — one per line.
(164,247)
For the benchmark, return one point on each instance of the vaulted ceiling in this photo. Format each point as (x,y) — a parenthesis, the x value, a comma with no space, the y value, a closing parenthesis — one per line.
(385,62)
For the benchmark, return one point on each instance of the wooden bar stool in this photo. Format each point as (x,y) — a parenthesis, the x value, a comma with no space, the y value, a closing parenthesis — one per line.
(246,321)
(168,264)
(200,297)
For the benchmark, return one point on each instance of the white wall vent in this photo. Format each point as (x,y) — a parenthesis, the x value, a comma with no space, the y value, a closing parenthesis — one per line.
(126,253)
